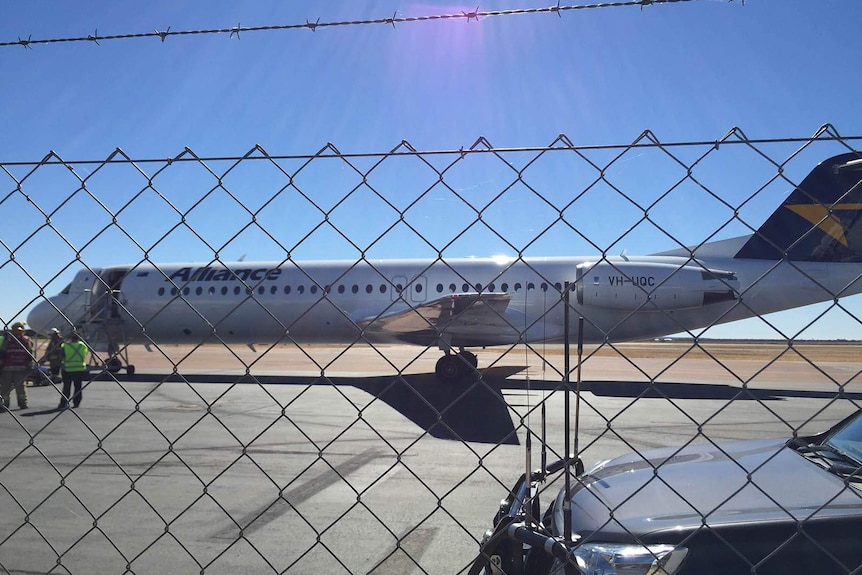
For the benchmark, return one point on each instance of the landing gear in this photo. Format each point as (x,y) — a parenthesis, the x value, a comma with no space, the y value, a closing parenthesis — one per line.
(470,358)
(451,367)
(115,365)
(448,368)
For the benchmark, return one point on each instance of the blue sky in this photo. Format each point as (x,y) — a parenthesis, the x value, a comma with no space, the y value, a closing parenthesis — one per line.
(686,72)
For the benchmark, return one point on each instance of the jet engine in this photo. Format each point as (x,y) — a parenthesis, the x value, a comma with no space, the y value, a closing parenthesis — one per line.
(646,286)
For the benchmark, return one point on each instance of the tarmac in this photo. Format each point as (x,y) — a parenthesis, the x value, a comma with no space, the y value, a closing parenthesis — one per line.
(319,460)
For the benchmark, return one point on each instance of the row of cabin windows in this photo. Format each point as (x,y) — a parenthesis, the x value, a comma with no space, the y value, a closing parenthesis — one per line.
(355,289)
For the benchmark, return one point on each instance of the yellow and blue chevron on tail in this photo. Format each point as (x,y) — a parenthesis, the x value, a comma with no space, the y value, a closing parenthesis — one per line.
(820,221)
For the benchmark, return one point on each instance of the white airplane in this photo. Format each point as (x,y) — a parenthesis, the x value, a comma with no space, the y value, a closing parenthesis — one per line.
(808,251)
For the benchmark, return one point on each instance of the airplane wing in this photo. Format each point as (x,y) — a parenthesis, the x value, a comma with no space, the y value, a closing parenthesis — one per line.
(468,319)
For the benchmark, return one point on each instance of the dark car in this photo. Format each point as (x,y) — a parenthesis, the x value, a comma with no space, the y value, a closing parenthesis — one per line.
(773,506)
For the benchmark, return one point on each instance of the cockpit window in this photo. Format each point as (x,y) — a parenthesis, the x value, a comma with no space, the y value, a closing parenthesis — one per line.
(67,289)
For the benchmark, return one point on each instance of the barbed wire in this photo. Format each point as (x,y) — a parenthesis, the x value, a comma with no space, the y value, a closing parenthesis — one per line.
(237,30)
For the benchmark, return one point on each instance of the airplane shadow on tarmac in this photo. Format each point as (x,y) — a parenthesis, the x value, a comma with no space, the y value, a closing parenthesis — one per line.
(680,390)
(469,411)
(475,410)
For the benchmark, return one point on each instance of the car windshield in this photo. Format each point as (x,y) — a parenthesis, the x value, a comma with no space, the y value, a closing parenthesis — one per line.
(848,438)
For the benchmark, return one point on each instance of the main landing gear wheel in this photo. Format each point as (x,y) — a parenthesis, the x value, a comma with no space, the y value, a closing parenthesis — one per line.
(452,366)
(449,367)
(470,358)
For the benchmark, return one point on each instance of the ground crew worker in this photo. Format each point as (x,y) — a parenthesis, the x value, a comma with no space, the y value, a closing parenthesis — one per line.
(17,356)
(74,368)
(53,356)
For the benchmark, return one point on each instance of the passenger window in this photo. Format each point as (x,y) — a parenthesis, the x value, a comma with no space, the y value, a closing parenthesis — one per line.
(223,290)
(465,288)
(236,290)
(341,289)
(544,286)
(286,290)
(382,288)
(531,285)
(452,288)
(478,287)
(186,291)
(211,290)
(199,290)
(559,286)
(161,291)
(505,287)
(439,288)
(355,288)
(369,289)
(491,287)
(518,286)
(418,288)
(273,290)
(261,290)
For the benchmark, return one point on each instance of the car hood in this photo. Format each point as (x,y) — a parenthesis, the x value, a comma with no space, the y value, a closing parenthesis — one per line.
(679,490)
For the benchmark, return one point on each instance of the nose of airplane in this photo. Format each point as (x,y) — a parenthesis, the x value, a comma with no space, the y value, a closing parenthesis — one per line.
(41,316)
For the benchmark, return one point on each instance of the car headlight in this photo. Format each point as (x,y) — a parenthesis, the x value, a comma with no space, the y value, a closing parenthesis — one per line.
(614,558)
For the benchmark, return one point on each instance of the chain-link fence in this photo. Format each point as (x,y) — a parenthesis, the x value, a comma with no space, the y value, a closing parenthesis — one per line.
(252,406)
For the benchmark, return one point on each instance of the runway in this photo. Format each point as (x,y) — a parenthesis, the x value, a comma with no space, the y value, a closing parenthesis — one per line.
(320,460)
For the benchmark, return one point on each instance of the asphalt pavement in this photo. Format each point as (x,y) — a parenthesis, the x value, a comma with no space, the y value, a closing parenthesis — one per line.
(190,469)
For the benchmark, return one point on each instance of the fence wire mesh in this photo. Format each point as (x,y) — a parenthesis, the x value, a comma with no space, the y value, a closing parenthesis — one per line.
(201,446)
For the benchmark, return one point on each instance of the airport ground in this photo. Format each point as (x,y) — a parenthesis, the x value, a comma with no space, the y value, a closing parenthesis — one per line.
(323,460)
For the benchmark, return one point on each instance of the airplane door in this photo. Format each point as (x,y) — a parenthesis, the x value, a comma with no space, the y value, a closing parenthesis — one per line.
(82,295)
(105,295)
(418,289)
(76,310)
(103,324)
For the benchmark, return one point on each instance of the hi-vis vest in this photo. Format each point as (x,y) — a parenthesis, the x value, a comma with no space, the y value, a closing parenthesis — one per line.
(74,355)
(16,353)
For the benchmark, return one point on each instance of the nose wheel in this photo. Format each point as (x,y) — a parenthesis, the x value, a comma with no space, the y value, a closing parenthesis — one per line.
(115,365)
(451,367)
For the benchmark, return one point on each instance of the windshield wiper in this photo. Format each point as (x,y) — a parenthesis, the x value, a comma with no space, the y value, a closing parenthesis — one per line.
(837,460)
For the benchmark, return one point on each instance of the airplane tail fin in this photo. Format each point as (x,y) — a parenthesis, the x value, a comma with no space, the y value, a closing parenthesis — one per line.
(820,221)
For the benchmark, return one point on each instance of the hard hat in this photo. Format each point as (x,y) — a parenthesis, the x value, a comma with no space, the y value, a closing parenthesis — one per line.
(55,330)
(18,325)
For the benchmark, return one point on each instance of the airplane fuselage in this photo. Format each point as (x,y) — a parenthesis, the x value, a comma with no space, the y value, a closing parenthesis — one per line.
(341,302)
